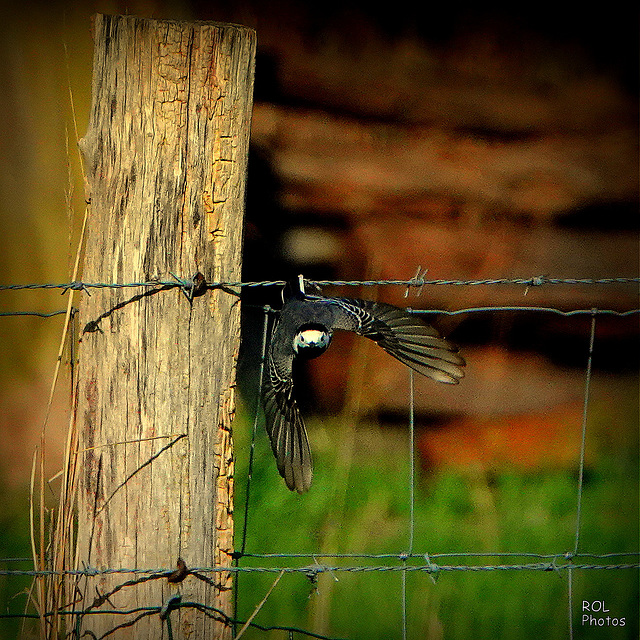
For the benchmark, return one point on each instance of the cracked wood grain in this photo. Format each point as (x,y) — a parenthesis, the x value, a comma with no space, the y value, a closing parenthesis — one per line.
(165,158)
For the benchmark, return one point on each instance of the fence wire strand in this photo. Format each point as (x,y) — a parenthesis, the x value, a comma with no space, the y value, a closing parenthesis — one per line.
(534,281)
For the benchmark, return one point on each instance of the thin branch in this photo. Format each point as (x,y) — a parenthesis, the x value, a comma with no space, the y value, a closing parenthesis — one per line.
(257,609)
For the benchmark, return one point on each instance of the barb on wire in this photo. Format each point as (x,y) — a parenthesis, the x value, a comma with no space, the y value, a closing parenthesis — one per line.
(192,288)
(181,572)
(417,281)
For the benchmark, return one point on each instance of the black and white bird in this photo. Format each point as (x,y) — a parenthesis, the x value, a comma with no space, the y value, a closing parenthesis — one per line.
(304,330)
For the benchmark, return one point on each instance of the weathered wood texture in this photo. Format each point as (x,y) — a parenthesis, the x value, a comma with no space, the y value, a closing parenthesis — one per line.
(165,158)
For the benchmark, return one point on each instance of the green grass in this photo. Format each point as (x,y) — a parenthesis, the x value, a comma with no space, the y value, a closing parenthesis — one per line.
(359,502)
(14,543)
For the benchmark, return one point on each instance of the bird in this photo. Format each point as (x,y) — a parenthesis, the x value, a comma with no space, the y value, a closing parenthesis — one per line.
(304,331)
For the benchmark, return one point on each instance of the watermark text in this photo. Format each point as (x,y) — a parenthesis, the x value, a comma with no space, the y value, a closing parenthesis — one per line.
(595,613)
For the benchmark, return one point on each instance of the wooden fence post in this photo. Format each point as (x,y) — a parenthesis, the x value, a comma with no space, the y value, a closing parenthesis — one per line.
(165,162)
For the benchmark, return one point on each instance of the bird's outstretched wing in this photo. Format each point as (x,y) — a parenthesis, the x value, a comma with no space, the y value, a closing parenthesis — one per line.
(285,426)
(403,335)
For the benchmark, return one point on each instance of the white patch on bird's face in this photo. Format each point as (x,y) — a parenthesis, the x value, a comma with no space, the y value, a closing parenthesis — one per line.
(311,339)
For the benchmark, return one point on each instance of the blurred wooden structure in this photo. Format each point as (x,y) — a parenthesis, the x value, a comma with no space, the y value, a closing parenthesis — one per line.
(496,151)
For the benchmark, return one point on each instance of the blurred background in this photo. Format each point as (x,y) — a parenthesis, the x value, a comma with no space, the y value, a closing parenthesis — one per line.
(466,142)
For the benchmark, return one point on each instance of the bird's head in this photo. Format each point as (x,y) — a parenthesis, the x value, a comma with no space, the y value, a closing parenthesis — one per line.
(311,340)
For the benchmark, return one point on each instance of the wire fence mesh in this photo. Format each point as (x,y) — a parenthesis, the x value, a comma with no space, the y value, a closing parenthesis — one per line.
(564,562)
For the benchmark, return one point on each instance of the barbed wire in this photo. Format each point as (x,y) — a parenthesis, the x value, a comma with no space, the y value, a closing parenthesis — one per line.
(196,282)
(318,568)
(534,281)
